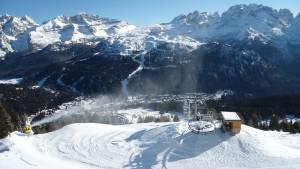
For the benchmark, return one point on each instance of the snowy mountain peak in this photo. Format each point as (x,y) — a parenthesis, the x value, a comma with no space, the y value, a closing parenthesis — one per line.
(82,19)
(12,19)
(265,21)
(250,9)
(239,22)
(29,20)
(4,18)
(195,17)
(261,14)
(77,28)
(286,16)
(13,31)
(293,32)
(297,19)
(12,26)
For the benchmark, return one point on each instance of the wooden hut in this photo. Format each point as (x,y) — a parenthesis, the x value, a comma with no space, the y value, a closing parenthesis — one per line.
(231,121)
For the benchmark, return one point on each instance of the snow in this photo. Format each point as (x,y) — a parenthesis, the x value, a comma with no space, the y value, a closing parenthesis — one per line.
(133,115)
(42,82)
(203,127)
(292,118)
(82,28)
(230,115)
(28,20)
(42,38)
(59,80)
(263,21)
(139,69)
(2,53)
(124,84)
(182,33)
(277,31)
(11,81)
(151,145)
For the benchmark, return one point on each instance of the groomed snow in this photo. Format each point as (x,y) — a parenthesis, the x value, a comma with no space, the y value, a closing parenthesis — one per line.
(151,145)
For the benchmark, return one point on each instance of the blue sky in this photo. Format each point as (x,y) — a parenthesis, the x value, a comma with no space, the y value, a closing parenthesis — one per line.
(139,12)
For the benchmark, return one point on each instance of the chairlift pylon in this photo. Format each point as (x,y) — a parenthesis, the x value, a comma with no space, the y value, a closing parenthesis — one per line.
(200,120)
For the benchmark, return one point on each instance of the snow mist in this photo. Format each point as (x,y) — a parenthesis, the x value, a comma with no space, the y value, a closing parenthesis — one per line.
(102,109)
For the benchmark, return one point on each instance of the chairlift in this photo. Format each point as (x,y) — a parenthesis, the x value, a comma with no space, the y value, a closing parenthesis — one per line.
(200,119)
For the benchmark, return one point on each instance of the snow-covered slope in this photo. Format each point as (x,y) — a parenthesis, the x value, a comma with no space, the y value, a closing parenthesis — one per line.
(77,28)
(10,81)
(164,145)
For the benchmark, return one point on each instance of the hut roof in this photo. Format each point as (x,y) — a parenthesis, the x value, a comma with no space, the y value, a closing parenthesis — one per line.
(230,115)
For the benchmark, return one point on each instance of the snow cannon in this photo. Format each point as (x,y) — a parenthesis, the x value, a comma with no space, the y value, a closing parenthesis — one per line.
(27,128)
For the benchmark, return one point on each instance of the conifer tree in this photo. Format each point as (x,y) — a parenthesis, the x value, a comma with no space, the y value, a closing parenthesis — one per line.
(274,123)
(6,125)
(176,118)
(296,126)
(292,129)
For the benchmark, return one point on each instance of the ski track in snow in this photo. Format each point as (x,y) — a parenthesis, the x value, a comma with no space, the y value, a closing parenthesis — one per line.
(151,145)
(140,68)
(11,81)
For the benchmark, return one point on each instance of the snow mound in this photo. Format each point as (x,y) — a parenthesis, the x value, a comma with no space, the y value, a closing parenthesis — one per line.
(151,145)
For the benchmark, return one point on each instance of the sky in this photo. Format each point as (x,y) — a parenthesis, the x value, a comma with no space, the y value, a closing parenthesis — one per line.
(138,12)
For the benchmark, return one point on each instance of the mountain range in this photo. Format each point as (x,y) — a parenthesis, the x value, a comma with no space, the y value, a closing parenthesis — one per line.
(249,48)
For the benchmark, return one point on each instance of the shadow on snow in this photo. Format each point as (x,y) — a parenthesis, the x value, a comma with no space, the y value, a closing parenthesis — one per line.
(166,144)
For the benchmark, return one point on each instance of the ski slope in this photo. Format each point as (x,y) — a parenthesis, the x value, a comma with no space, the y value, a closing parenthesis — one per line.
(151,145)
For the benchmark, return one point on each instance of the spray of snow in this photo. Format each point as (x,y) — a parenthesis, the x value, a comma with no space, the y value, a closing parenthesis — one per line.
(100,106)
